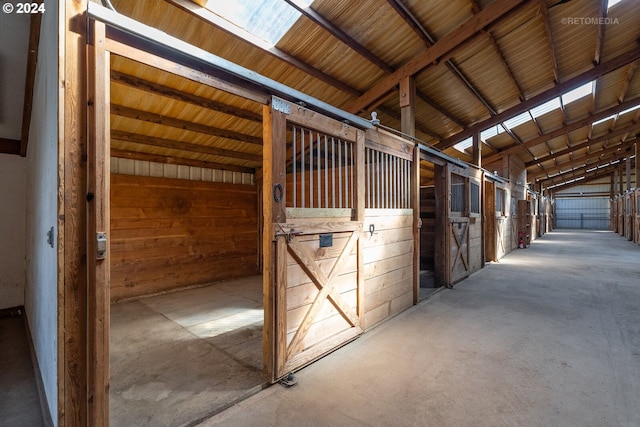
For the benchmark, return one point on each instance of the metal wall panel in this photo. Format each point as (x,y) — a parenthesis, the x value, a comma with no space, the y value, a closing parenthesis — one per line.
(585,213)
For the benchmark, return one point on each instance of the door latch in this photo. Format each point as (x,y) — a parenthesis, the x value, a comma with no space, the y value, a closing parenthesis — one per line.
(101,246)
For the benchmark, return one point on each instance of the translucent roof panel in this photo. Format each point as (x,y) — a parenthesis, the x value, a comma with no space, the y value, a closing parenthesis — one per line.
(266,19)
(464,144)
(612,3)
(577,93)
(545,108)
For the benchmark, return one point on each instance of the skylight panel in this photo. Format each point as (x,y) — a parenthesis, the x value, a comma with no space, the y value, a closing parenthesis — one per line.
(577,93)
(518,120)
(628,110)
(490,133)
(612,3)
(464,144)
(597,122)
(545,108)
(268,20)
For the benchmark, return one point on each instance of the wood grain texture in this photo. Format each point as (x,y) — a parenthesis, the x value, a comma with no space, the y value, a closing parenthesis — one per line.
(172,233)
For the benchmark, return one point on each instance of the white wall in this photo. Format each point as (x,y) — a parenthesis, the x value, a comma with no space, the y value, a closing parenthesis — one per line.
(41,303)
(12,229)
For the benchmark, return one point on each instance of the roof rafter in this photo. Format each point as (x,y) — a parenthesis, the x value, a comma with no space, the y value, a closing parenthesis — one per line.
(585,160)
(433,54)
(169,92)
(32,59)
(601,28)
(561,131)
(550,44)
(587,178)
(585,173)
(328,26)
(160,119)
(589,142)
(545,96)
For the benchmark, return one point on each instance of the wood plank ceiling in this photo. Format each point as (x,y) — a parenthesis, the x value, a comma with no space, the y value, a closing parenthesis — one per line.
(476,65)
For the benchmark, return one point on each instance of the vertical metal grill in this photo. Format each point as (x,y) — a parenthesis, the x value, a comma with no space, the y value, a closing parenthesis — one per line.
(387,181)
(320,170)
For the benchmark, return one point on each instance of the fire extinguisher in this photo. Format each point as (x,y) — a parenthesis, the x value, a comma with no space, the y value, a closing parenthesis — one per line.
(521,244)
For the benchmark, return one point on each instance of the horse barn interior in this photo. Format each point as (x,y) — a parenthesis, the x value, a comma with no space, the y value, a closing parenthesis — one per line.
(197,205)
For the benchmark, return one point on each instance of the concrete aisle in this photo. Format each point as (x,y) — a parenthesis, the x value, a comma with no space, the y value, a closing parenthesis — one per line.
(550,336)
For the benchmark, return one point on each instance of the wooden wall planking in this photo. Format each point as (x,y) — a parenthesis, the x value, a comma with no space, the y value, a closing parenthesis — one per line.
(388,263)
(172,233)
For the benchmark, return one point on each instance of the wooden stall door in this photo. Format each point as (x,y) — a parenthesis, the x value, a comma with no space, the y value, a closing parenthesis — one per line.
(490,249)
(314,193)
(458,232)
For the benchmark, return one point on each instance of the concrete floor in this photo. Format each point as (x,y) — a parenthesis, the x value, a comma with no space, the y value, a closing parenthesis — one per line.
(180,357)
(19,401)
(549,336)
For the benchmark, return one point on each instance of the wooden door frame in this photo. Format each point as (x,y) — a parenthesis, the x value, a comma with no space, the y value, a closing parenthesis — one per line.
(275,212)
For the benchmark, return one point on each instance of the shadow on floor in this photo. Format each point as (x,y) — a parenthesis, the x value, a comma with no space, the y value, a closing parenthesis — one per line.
(19,402)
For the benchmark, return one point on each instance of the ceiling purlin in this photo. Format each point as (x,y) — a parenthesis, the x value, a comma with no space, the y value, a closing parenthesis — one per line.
(156,88)
(550,44)
(626,84)
(562,131)
(454,40)
(328,26)
(588,143)
(543,97)
(160,119)
(583,172)
(601,27)
(157,158)
(592,176)
(32,59)
(588,159)
(429,41)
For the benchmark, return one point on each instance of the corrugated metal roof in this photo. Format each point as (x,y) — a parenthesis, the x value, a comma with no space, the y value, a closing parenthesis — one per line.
(505,63)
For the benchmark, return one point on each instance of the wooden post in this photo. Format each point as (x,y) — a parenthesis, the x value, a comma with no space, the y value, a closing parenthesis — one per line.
(628,170)
(620,181)
(98,209)
(637,168)
(72,216)
(408,106)
(273,167)
(417,222)
(616,179)
(477,150)
(359,216)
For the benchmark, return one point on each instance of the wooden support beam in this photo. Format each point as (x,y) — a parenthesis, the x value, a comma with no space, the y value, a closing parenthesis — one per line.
(587,159)
(549,37)
(72,216)
(32,60)
(98,223)
(180,145)
(601,28)
(181,161)
(160,119)
(637,169)
(543,97)
(169,66)
(584,171)
(477,150)
(587,178)
(408,106)
(597,140)
(433,54)
(561,131)
(169,92)
(9,146)
(628,169)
